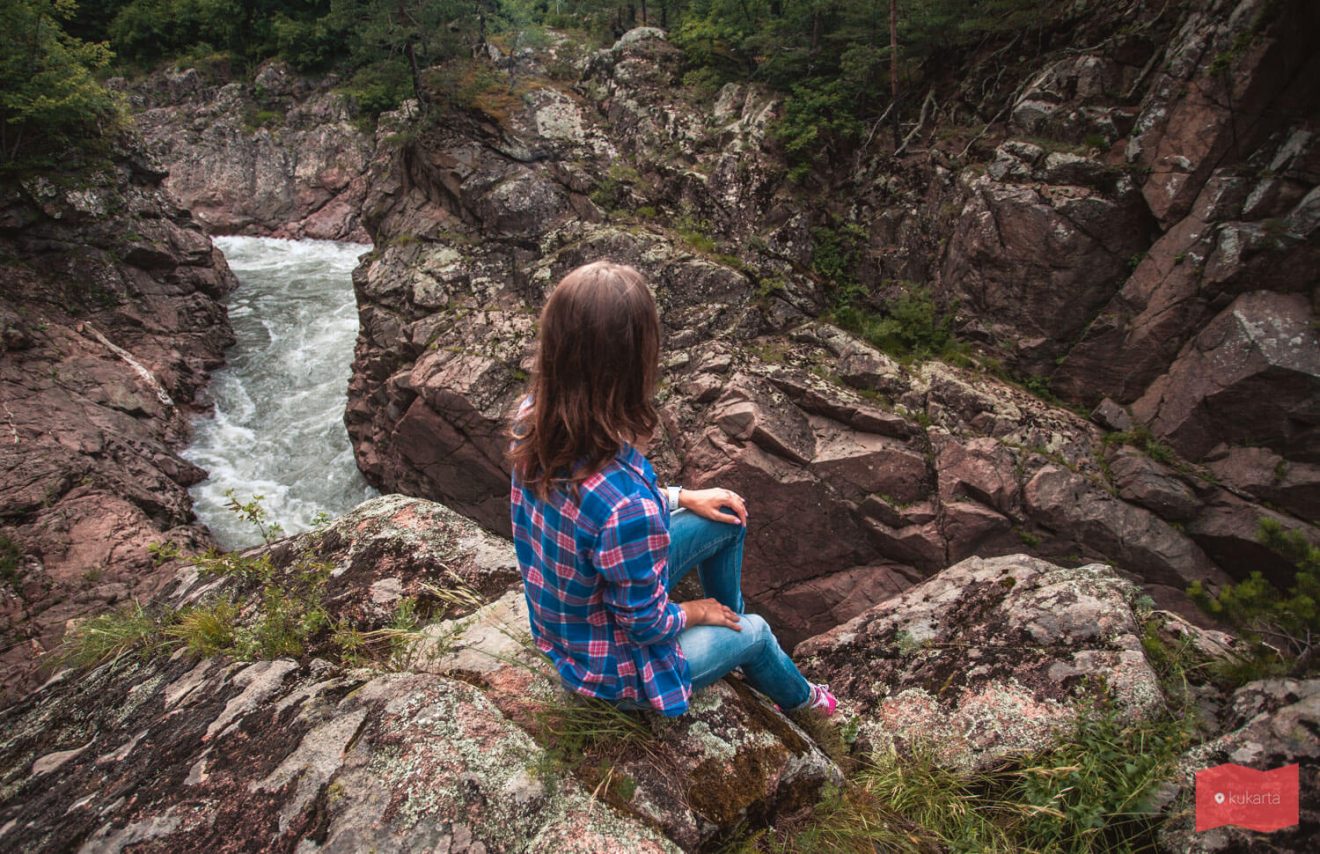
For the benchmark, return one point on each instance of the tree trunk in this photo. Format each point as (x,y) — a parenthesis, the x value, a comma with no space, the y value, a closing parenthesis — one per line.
(418,92)
(893,68)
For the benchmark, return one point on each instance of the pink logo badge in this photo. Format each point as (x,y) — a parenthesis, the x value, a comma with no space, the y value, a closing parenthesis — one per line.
(1256,800)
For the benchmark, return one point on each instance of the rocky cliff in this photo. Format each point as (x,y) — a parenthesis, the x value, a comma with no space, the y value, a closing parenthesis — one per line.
(448,731)
(111,315)
(278,155)
(869,473)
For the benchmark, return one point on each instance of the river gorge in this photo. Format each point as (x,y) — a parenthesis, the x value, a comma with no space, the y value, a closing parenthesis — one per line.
(999,401)
(276,428)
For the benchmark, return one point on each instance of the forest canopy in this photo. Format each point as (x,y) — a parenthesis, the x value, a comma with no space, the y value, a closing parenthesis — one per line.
(830,58)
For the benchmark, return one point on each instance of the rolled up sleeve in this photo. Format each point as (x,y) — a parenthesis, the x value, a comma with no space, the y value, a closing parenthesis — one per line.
(631,552)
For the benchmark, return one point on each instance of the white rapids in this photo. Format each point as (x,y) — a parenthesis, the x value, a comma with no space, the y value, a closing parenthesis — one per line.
(278,425)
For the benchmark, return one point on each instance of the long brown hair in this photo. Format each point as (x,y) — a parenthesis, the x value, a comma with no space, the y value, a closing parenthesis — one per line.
(594,381)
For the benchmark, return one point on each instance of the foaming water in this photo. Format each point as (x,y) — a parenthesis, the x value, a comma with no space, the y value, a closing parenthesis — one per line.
(278,426)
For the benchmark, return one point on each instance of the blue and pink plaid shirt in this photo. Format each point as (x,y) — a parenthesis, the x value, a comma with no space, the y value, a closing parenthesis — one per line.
(593,570)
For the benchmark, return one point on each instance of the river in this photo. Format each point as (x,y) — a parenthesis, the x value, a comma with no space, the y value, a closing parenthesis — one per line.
(277,429)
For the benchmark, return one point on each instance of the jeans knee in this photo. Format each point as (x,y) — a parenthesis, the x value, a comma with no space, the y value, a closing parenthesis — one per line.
(757,628)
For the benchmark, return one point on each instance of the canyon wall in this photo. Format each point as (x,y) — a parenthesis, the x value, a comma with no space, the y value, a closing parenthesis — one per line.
(111,317)
(279,155)
(866,474)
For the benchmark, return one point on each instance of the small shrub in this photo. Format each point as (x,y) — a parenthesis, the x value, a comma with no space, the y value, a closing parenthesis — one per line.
(255,119)
(912,327)
(696,233)
(1141,438)
(1028,539)
(1281,627)
(109,636)
(206,629)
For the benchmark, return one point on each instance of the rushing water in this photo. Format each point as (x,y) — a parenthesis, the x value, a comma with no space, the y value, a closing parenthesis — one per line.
(278,426)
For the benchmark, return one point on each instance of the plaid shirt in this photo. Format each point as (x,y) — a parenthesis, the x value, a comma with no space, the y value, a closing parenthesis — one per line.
(593,570)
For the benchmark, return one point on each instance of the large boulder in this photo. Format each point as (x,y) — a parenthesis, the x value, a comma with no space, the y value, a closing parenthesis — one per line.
(731,760)
(184,754)
(1234,201)
(1252,375)
(1020,217)
(989,660)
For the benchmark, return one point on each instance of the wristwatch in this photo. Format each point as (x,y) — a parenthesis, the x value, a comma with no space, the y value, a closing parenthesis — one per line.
(673,496)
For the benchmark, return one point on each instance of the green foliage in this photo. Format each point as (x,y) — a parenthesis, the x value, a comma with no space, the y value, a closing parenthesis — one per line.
(1093,792)
(816,117)
(1281,627)
(587,738)
(253,512)
(831,57)
(695,233)
(912,327)
(53,112)
(614,190)
(206,629)
(287,615)
(109,636)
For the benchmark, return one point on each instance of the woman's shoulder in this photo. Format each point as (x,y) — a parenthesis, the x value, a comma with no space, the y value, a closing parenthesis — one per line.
(619,482)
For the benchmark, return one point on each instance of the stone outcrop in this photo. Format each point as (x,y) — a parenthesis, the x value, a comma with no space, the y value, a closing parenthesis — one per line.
(866,475)
(280,155)
(1144,234)
(989,660)
(110,319)
(1211,328)
(449,750)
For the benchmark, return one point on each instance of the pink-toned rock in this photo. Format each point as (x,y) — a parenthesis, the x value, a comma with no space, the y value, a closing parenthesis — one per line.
(1264,475)
(1186,127)
(299,172)
(1253,373)
(111,319)
(1002,257)
(982,469)
(1228,529)
(1138,540)
(1143,481)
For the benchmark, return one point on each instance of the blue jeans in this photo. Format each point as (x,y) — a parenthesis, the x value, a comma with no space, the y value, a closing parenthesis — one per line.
(716,550)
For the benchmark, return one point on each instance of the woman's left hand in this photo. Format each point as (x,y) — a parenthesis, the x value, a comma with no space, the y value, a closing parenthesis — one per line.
(722,505)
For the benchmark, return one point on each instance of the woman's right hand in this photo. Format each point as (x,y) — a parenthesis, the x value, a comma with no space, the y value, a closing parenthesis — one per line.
(709,612)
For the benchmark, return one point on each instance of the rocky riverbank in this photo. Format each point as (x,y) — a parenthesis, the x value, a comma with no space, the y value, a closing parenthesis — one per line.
(111,316)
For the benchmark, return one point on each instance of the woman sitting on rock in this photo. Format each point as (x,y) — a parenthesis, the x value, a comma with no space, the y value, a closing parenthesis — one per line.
(600,544)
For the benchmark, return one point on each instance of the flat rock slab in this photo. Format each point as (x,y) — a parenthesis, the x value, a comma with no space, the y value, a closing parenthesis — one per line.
(210,756)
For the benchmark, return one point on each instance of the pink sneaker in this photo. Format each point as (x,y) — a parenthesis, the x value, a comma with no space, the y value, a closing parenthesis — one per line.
(822,701)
